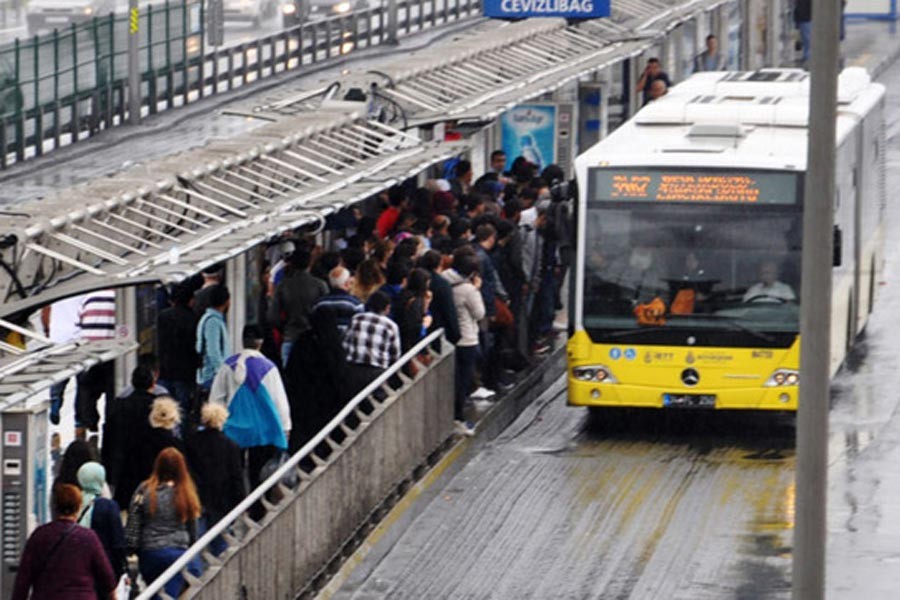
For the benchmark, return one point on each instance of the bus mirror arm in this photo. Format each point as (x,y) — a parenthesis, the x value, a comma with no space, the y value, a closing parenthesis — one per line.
(838,247)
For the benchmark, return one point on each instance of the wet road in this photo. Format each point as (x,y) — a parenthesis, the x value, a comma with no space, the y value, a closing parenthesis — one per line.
(562,506)
(658,507)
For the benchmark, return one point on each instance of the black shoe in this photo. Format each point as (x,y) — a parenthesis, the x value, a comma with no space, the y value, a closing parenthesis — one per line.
(54,417)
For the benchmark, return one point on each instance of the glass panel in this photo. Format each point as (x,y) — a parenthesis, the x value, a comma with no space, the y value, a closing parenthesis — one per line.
(716,268)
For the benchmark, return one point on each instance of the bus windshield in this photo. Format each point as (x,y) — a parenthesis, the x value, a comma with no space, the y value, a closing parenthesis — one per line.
(717,274)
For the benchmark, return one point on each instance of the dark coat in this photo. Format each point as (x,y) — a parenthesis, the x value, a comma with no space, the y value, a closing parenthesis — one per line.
(443,311)
(106,521)
(410,312)
(215,463)
(155,441)
(177,328)
(293,301)
(313,378)
(123,437)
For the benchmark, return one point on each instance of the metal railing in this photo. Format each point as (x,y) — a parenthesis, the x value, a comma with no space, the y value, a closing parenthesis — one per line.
(66,86)
(404,425)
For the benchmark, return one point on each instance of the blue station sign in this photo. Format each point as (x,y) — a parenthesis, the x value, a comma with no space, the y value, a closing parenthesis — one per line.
(569,9)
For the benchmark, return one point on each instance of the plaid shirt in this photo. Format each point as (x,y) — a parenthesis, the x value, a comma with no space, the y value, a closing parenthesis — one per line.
(373,340)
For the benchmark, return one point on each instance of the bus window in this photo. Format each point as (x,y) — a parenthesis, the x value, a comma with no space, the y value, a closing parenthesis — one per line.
(737,266)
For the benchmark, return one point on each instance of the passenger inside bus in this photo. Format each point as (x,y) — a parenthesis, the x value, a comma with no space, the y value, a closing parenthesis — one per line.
(769,288)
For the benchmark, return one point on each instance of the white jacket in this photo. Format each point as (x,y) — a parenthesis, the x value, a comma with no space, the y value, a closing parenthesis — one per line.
(469,307)
(234,373)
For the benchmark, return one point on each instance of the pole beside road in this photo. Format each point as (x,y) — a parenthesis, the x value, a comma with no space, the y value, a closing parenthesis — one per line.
(815,320)
(134,64)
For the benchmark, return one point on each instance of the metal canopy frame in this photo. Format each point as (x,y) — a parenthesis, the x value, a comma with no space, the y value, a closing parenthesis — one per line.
(31,373)
(141,228)
(137,228)
(490,73)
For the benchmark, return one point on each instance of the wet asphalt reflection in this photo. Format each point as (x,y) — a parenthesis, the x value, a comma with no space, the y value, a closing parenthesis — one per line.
(632,504)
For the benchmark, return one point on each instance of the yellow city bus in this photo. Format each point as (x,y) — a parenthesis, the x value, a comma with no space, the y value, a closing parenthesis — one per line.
(689,221)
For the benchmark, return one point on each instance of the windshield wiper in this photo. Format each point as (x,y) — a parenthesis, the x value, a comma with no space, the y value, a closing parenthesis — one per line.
(734,324)
(731,322)
(625,333)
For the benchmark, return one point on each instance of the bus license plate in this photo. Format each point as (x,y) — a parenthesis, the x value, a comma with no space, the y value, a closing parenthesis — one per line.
(689,401)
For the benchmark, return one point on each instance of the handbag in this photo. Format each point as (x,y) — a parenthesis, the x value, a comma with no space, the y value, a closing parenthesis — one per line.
(135,523)
(503,318)
(290,479)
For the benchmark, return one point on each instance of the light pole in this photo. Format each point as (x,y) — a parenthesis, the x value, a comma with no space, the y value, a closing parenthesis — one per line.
(815,319)
(134,63)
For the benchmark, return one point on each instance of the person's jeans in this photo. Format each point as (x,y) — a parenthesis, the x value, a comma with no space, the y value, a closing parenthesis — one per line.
(286,348)
(153,563)
(805,36)
(57,392)
(466,359)
(204,524)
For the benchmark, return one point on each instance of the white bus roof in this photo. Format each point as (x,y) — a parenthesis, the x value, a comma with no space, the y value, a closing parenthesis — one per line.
(732,119)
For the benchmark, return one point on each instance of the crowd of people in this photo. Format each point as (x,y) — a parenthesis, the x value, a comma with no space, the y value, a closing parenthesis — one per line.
(483,260)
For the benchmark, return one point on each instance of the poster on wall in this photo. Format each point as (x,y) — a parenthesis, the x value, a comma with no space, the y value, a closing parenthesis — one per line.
(529,130)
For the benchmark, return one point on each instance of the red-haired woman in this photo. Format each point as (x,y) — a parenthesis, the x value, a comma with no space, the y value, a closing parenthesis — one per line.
(162,519)
(62,559)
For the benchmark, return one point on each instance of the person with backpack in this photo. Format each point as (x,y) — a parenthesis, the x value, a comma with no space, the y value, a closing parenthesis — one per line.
(250,386)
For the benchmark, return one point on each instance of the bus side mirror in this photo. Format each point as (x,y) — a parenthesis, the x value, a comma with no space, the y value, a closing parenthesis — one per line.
(837,248)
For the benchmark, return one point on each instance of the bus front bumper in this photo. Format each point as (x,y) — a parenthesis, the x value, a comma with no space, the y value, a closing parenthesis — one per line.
(585,393)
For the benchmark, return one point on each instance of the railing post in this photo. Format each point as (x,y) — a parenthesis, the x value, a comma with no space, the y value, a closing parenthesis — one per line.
(151,70)
(56,65)
(392,22)
(185,70)
(3,126)
(134,64)
(56,125)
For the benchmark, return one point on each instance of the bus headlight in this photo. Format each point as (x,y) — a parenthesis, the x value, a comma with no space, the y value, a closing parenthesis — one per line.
(596,373)
(783,377)
(341,7)
(289,9)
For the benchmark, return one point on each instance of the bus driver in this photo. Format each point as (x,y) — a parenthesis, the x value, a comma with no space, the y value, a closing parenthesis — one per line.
(769,289)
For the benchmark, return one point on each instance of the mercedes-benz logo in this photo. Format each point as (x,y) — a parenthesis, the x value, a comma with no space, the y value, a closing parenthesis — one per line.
(690,377)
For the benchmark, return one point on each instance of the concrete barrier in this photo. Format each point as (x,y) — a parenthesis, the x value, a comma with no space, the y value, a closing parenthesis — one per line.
(374,445)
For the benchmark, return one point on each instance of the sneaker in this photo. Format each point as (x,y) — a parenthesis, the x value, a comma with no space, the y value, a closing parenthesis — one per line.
(541,347)
(505,386)
(464,428)
(482,393)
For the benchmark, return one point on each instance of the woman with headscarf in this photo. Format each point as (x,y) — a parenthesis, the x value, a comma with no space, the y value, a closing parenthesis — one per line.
(102,514)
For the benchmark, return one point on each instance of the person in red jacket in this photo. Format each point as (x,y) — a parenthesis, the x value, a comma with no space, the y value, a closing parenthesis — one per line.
(397,201)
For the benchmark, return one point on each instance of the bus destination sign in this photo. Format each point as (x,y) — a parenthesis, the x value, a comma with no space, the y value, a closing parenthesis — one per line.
(750,187)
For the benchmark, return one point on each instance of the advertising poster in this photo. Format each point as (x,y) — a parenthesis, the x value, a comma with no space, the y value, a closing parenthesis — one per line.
(529,130)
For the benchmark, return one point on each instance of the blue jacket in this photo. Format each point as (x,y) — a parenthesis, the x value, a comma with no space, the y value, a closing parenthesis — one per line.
(213,345)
